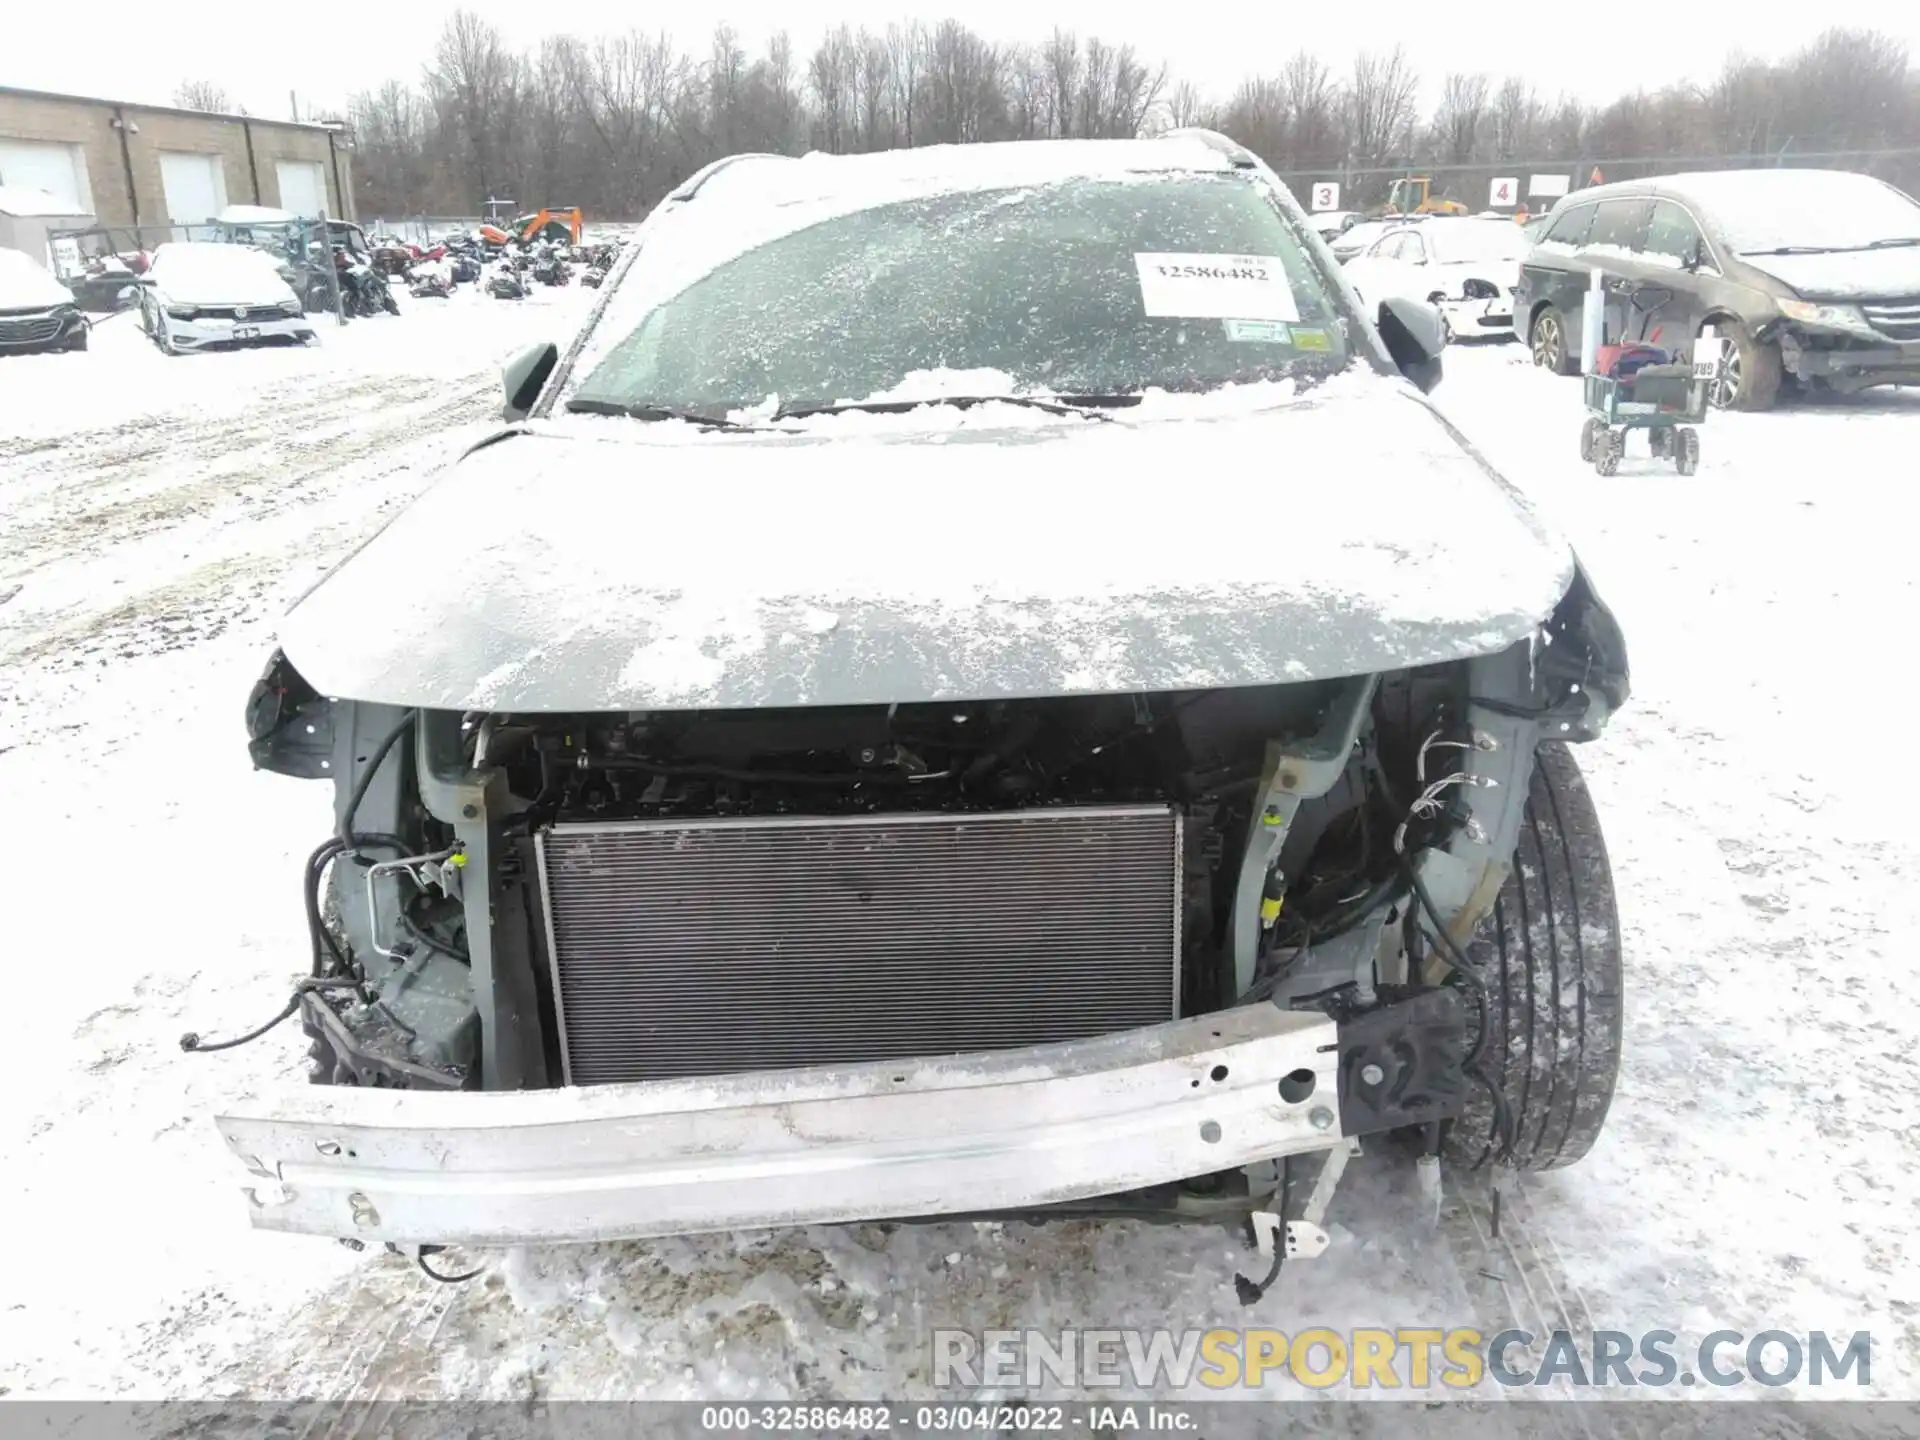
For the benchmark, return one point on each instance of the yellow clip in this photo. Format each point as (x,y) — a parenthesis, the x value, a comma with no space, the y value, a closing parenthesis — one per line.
(1270,909)
(458,859)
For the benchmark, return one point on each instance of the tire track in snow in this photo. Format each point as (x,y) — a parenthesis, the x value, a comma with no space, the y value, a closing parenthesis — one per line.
(171,472)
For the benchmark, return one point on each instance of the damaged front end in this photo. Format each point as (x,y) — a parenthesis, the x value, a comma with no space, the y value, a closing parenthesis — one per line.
(729,968)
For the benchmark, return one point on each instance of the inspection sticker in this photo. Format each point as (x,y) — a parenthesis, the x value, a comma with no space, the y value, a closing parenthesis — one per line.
(1215,287)
(1269,332)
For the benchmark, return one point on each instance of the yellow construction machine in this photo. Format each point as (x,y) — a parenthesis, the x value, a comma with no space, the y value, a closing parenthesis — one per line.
(1413,195)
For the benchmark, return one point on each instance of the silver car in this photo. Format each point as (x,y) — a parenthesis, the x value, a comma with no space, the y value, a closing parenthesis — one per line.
(890,727)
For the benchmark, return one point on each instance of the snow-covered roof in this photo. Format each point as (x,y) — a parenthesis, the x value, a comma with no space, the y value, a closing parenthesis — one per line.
(1768,209)
(24,201)
(962,167)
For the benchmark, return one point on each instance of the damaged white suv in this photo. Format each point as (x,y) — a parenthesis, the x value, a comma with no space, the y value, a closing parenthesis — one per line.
(894,727)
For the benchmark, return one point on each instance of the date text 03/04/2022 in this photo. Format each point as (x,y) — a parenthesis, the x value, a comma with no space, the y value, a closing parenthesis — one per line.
(880,1418)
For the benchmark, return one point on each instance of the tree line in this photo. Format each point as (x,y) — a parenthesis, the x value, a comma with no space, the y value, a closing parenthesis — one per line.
(612,122)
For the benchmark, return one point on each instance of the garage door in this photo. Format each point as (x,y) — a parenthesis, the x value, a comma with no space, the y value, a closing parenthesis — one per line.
(60,170)
(196,186)
(303,188)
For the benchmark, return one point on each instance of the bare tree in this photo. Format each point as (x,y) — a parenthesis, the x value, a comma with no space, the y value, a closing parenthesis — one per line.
(612,122)
(1462,114)
(203,95)
(1379,110)
(1516,120)
(473,84)
(1313,104)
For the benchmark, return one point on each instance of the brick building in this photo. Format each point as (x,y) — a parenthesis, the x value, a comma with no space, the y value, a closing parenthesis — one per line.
(151,165)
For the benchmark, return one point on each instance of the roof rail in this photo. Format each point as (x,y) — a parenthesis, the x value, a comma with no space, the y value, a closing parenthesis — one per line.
(691,186)
(1241,157)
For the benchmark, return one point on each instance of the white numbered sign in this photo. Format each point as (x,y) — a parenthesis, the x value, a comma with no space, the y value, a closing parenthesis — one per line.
(1506,190)
(1326,196)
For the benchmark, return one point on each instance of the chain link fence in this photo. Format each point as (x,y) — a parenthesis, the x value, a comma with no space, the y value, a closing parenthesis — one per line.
(101,264)
(423,230)
(1474,185)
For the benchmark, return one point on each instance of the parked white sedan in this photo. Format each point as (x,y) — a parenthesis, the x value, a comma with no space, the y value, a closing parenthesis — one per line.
(198,295)
(1467,266)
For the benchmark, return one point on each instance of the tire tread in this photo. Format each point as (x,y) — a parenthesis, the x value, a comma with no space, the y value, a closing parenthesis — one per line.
(1551,956)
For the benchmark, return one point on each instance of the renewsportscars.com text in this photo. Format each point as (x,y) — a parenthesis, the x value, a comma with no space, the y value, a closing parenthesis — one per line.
(1403,1358)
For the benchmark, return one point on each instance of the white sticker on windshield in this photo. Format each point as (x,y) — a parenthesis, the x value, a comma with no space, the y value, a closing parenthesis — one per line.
(1216,287)
(1264,332)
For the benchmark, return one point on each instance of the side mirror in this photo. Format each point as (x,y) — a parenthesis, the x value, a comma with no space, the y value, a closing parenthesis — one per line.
(1696,256)
(523,377)
(1416,334)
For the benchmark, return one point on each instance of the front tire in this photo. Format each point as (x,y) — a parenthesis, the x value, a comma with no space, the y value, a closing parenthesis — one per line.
(1547,338)
(1686,458)
(1750,370)
(1550,956)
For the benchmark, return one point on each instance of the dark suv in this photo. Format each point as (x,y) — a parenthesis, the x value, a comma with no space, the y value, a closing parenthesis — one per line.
(1809,277)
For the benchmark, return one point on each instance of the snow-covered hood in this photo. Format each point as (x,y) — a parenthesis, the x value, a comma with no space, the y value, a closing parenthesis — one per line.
(241,283)
(25,285)
(614,564)
(1848,275)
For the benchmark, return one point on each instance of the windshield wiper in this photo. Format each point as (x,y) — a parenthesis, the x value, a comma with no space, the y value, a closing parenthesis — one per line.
(643,411)
(1890,243)
(1090,406)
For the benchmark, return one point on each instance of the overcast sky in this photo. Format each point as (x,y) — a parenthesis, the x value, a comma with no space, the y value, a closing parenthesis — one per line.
(259,52)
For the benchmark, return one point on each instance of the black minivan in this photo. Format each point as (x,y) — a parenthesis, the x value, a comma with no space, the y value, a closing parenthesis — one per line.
(1811,278)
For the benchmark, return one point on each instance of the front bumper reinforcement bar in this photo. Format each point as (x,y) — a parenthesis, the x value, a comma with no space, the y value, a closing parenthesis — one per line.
(890,1140)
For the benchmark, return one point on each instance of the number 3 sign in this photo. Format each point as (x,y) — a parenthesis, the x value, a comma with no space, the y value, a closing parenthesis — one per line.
(1326,196)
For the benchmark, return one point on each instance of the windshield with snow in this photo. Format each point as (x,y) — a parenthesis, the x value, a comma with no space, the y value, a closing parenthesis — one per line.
(1089,288)
(1761,212)
(1472,241)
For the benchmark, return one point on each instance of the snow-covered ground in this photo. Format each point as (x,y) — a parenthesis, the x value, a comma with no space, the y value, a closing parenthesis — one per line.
(1762,1165)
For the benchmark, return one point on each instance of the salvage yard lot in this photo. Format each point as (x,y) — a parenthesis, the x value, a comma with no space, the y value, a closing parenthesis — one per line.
(1760,1170)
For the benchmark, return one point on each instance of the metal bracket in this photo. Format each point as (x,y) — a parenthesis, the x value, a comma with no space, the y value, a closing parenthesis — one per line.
(1293,773)
(1327,1181)
(1306,1238)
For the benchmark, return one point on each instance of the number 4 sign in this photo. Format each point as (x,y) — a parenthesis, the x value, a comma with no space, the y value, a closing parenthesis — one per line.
(1506,190)
(1326,196)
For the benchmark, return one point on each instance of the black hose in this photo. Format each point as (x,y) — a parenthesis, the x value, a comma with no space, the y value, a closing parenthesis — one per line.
(1471,977)
(193,1044)
(365,782)
(416,933)
(317,932)
(1247,1290)
(322,937)
(1469,974)
(433,1274)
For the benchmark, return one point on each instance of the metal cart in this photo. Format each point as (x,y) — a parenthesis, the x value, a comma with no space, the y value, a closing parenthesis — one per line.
(1667,400)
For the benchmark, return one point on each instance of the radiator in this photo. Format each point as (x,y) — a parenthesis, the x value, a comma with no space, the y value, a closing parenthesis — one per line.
(705,947)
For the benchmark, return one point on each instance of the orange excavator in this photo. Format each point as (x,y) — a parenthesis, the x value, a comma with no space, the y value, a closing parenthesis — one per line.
(553,223)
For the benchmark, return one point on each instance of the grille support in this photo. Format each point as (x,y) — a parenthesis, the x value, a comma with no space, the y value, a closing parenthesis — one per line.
(706,947)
